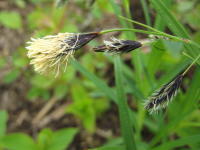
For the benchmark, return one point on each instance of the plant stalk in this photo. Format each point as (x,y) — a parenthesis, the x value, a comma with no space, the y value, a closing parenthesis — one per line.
(188,68)
(147,32)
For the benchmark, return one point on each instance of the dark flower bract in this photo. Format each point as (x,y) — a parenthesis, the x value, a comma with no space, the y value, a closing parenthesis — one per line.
(118,46)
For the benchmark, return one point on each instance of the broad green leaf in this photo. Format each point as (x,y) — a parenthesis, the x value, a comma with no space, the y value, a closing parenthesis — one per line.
(18,141)
(61,139)
(44,138)
(10,19)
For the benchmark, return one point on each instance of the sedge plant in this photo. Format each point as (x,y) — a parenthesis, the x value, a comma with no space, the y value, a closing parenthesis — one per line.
(51,52)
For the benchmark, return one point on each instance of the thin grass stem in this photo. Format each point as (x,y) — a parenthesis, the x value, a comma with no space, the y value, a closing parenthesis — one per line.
(158,33)
(162,33)
(127,29)
(188,68)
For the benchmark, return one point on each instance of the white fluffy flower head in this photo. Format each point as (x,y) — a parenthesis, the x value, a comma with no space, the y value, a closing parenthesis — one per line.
(50,53)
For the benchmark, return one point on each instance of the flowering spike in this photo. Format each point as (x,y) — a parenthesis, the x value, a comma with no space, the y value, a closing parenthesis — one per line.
(51,52)
(163,96)
(117,46)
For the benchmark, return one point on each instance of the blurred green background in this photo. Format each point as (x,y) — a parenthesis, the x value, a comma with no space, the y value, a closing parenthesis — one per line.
(77,111)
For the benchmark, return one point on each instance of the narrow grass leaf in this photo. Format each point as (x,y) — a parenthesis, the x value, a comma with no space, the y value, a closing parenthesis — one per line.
(117,147)
(97,81)
(117,11)
(125,121)
(159,23)
(192,96)
(146,12)
(172,22)
(136,57)
(173,71)
(175,26)
(179,142)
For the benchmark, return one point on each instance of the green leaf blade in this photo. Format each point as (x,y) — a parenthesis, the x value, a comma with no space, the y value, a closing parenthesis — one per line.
(125,121)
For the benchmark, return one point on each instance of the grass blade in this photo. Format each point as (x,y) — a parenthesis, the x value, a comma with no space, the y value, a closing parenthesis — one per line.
(159,24)
(192,93)
(146,12)
(172,23)
(98,82)
(125,121)
(174,26)
(117,11)
(179,142)
(173,71)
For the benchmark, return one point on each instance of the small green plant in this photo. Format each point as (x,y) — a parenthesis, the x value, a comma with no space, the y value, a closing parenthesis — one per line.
(7,19)
(46,140)
(86,108)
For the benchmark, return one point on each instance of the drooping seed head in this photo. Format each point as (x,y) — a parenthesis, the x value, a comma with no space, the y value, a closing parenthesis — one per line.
(164,95)
(117,46)
(50,53)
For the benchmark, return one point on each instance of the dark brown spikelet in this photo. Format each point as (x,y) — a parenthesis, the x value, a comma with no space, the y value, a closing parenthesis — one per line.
(117,46)
(84,38)
(77,41)
(80,39)
(163,96)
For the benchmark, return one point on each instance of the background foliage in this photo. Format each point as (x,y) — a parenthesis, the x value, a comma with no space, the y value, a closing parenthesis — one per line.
(79,110)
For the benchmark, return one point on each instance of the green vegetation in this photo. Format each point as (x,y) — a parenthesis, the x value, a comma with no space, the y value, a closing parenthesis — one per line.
(47,139)
(98,102)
